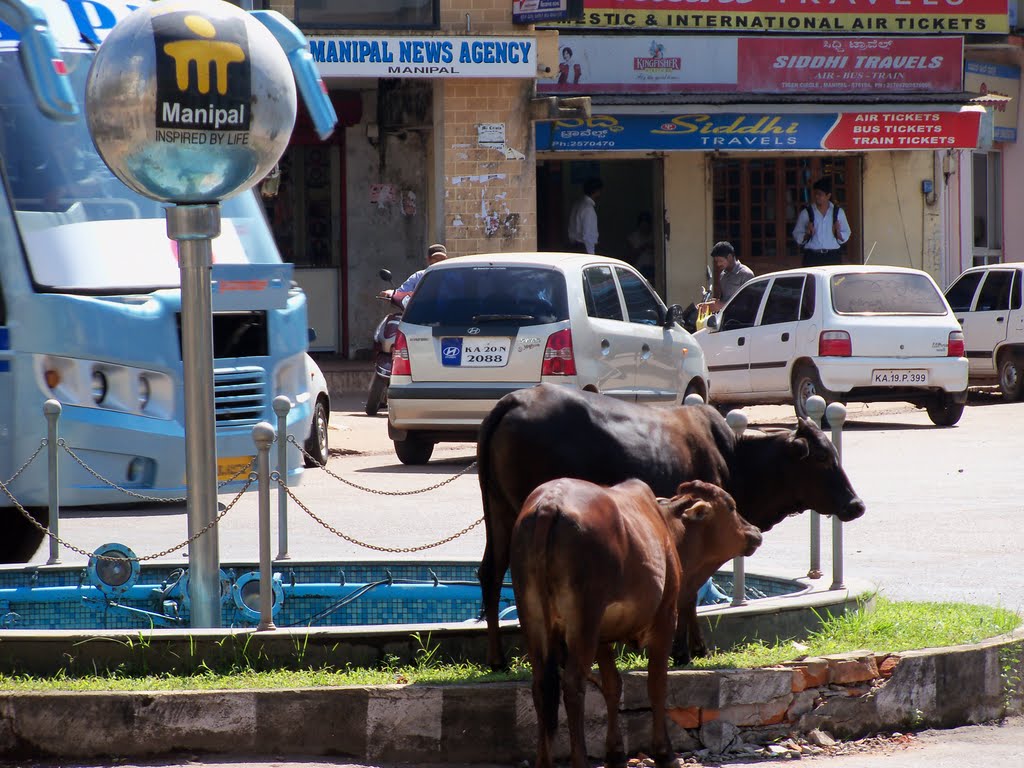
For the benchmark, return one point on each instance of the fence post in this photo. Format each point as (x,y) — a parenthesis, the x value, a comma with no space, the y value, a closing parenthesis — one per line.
(737,421)
(52,410)
(263,436)
(816,410)
(837,417)
(281,406)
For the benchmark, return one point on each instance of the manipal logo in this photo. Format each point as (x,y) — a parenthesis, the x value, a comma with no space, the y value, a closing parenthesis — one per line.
(203,75)
(207,53)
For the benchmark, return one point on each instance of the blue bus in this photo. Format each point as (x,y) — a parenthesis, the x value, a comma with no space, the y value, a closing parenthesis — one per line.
(90,306)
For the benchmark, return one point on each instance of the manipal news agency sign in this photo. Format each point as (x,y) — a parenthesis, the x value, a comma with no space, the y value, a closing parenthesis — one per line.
(424,56)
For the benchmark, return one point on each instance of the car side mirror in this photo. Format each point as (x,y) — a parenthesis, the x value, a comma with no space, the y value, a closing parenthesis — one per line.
(385,275)
(673,315)
(311,334)
(711,323)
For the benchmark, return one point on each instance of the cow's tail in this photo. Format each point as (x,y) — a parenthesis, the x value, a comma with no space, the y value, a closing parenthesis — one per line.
(483,447)
(545,520)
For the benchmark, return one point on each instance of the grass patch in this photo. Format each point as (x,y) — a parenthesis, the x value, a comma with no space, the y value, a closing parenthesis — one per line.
(891,627)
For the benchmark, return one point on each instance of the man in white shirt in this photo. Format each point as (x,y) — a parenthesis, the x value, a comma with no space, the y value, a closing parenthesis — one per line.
(821,228)
(583,218)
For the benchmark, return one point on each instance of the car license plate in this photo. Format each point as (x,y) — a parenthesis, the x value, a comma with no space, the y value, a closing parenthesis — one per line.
(475,353)
(914,377)
(228,468)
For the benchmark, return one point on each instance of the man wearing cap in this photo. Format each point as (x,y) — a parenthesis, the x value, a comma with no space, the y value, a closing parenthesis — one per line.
(435,253)
(822,228)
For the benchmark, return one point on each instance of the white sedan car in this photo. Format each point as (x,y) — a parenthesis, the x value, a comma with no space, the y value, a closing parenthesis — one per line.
(847,333)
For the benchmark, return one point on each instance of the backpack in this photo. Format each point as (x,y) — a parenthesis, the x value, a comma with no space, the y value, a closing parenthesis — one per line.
(835,224)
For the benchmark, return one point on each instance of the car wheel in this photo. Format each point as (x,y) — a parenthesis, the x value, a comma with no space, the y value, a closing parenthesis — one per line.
(316,446)
(413,450)
(377,396)
(806,384)
(1010,382)
(944,412)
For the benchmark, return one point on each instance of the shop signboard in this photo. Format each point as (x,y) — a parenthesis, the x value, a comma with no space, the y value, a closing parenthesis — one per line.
(755,64)
(986,78)
(853,130)
(886,17)
(533,11)
(421,56)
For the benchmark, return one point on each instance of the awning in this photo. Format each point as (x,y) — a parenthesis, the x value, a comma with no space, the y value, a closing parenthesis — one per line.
(744,122)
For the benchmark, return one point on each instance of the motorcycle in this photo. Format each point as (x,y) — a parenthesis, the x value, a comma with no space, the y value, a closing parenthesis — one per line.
(696,315)
(383,341)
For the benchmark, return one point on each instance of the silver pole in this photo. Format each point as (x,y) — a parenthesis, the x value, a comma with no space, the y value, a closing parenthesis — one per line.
(816,410)
(837,417)
(281,407)
(263,436)
(193,226)
(52,409)
(737,421)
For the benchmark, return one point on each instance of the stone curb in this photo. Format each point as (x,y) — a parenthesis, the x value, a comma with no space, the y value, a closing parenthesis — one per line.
(849,695)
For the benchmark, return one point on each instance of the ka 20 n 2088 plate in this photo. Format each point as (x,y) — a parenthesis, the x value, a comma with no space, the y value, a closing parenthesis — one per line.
(488,352)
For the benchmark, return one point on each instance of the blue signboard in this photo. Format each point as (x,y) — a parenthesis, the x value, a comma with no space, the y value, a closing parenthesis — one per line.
(725,131)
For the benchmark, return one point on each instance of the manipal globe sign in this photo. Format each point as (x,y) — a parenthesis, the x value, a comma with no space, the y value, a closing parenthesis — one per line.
(190,101)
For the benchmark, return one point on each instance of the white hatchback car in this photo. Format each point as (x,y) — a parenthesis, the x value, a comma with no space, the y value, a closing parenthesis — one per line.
(479,327)
(847,333)
(987,303)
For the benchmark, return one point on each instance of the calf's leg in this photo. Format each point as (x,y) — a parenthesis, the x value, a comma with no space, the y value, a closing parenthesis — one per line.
(611,687)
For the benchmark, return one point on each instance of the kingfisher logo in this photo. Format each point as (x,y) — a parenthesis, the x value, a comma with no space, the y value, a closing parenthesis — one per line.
(203,73)
(656,62)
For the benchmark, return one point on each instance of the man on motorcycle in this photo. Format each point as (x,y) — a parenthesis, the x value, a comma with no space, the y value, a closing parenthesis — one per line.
(435,253)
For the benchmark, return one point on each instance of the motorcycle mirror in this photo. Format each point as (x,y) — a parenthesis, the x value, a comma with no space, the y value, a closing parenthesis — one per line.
(385,274)
(707,272)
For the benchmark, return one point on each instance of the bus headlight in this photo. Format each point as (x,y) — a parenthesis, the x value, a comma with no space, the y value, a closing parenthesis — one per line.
(98,386)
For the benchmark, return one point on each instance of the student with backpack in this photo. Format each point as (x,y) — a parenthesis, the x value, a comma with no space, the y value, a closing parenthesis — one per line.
(821,229)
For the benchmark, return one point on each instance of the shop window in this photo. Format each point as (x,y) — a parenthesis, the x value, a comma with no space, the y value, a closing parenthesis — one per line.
(987,194)
(359,14)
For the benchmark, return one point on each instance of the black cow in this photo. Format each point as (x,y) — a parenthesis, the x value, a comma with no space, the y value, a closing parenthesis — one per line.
(546,432)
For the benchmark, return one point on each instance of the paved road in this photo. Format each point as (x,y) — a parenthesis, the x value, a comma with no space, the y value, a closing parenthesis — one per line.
(943,523)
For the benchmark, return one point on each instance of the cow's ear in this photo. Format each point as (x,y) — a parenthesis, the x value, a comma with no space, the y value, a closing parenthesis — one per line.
(696,511)
(799,448)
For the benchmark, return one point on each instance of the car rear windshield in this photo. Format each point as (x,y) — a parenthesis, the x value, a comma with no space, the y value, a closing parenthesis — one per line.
(473,295)
(886,293)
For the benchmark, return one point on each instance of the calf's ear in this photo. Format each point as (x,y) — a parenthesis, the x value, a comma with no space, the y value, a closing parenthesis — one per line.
(693,510)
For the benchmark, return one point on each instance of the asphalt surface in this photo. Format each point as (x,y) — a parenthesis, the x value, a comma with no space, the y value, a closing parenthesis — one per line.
(943,523)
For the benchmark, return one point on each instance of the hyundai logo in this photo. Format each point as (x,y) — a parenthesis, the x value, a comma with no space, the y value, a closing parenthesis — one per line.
(450,352)
(473,331)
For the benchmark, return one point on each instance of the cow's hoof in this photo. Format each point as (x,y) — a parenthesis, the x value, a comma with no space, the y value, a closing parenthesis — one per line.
(616,760)
(666,761)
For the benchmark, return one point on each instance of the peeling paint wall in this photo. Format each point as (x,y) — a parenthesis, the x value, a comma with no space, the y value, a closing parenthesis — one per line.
(387,212)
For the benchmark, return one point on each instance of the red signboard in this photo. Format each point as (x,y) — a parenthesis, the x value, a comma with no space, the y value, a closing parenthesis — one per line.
(904,130)
(958,17)
(850,64)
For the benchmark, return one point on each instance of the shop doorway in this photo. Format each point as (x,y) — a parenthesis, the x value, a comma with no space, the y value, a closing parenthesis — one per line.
(630,211)
(756,202)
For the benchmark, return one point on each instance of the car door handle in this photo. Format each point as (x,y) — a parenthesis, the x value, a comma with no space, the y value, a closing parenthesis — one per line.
(645,351)
(999,319)
(740,341)
(785,337)
(606,347)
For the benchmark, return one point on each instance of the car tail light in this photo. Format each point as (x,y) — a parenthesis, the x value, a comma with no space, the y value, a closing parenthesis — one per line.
(955,345)
(558,357)
(400,365)
(834,344)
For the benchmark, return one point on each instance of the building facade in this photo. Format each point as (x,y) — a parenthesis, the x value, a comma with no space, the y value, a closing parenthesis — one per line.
(709,125)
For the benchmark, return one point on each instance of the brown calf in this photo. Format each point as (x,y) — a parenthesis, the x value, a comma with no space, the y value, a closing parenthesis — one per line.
(592,566)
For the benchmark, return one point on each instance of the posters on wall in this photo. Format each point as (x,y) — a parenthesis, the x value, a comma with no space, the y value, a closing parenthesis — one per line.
(957,17)
(756,64)
(860,130)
